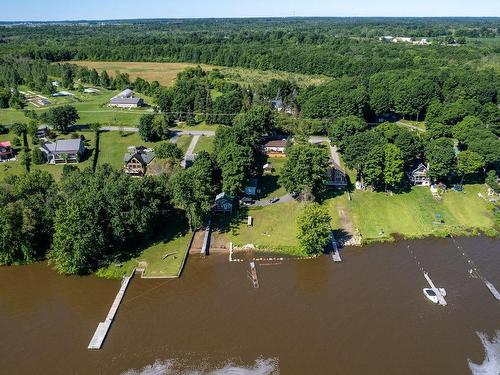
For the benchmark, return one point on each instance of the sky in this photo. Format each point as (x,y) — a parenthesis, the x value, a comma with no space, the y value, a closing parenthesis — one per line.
(56,10)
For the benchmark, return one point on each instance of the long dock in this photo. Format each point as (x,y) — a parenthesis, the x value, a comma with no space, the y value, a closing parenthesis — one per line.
(335,253)
(206,240)
(493,290)
(440,297)
(103,327)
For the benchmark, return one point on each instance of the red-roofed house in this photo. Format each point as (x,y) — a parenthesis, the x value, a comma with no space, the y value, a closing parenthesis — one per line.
(6,151)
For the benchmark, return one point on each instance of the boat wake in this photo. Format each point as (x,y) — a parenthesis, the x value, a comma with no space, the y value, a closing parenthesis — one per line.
(491,363)
(174,367)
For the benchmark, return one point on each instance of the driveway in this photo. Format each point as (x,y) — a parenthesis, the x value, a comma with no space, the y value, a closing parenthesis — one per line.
(265,202)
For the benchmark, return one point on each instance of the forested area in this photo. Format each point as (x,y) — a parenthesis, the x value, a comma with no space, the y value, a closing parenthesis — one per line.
(98,215)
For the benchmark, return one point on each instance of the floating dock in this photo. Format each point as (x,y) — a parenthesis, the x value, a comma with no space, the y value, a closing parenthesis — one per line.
(103,327)
(492,289)
(335,253)
(253,275)
(440,297)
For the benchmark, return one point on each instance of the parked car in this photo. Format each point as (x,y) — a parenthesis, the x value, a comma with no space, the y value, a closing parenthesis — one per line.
(247,201)
(273,200)
(295,194)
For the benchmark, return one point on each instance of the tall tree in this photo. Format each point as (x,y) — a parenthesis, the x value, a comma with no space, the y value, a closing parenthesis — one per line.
(314,229)
(393,166)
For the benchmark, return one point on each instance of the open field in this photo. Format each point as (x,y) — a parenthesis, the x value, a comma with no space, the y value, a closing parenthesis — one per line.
(163,257)
(165,73)
(92,108)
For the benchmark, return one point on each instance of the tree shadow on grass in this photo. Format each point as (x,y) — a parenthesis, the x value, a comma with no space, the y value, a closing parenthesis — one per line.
(329,194)
(268,184)
(225,223)
(165,230)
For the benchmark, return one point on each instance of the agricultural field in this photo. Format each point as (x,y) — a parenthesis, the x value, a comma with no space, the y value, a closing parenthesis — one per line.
(165,73)
(92,108)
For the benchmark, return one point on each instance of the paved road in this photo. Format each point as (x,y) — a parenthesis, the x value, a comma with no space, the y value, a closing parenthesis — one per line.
(265,202)
(190,151)
(176,132)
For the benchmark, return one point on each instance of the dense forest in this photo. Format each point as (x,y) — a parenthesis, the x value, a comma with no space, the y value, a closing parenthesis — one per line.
(370,83)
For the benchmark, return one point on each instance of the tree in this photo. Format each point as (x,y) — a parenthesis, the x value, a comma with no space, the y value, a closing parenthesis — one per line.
(463,130)
(168,151)
(235,162)
(344,128)
(61,118)
(441,158)
(373,172)
(492,181)
(358,148)
(104,80)
(314,229)
(393,166)
(146,128)
(469,162)
(305,167)
(193,189)
(37,156)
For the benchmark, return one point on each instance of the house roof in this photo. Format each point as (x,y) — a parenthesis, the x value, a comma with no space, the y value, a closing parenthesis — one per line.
(5,144)
(141,155)
(63,145)
(127,93)
(336,166)
(135,101)
(223,195)
(276,143)
(420,167)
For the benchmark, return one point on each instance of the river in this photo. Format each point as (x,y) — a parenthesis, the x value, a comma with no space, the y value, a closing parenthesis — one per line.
(366,315)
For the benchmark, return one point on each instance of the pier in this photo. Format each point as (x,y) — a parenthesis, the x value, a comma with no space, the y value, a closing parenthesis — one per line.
(440,297)
(206,240)
(253,275)
(335,253)
(103,327)
(493,290)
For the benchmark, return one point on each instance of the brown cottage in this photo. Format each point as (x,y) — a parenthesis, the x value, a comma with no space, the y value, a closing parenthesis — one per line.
(275,148)
(137,160)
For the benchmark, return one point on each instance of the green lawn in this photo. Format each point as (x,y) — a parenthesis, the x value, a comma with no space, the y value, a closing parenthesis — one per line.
(412,214)
(418,124)
(268,183)
(201,126)
(92,108)
(183,142)
(274,228)
(204,144)
(163,257)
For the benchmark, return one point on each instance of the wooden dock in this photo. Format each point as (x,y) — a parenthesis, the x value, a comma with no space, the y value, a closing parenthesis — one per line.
(103,327)
(253,275)
(440,297)
(335,253)
(206,240)
(493,290)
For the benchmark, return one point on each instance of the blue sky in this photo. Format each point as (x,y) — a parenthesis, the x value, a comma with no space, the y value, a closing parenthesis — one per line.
(55,10)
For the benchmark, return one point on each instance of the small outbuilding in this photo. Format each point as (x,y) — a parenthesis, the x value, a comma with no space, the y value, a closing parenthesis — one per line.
(251,188)
(6,151)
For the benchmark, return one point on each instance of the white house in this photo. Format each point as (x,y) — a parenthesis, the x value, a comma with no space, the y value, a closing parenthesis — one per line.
(419,176)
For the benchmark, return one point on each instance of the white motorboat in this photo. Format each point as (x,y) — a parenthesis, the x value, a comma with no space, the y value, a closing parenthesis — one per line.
(431,294)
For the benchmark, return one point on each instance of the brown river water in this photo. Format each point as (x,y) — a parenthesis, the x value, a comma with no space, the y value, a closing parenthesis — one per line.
(366,315)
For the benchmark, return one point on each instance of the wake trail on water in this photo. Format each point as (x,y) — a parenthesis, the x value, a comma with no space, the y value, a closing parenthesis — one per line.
(173,367)
(491,363)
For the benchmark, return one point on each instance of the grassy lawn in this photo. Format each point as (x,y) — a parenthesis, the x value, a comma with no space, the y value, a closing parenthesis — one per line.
(268,183)
(201,126)
(163,257)
(183,142)
(92,108)
(166,73)
(204,144)
(412,214)
(418,124)
(271,230)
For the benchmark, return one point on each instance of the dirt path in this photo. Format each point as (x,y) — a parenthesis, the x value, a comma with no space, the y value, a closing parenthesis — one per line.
(351,235)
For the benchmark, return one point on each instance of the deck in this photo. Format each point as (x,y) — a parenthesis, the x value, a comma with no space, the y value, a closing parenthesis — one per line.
(335,253)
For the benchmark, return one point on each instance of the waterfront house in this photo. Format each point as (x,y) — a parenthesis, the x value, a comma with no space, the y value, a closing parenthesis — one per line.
(251,188)
(223,203)
(275,148)
(6,151)
(126,99)
(419,176)
(137,160)
(336,176)
(63,151)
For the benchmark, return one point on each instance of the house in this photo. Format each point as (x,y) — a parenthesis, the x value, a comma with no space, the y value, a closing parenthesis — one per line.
(251,188)
(223,203)
(6,151)
(126,99)
(42,131)
(137,160)
(275,148)
(336,176)
(419,176)
(63,151)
